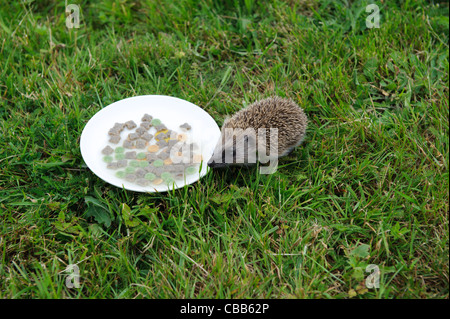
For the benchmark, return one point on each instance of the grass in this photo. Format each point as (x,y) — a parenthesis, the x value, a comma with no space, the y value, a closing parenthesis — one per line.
(368,186)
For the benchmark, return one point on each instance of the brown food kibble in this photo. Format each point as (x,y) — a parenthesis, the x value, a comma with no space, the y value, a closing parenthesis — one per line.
(147,118)
(122,163)
(140,131)
(182,137)
(142,182)
(108,150)
(146,125)
(119,126)
(113,131)
(157,181)
(130,155)
(131,177)
(161,127)
(115,139)
(147,136)
(153,148)
(140,143)
(128,144)
(130,125)
(168,161)
(112,165)
(185,126)
(163,155)
(133,136)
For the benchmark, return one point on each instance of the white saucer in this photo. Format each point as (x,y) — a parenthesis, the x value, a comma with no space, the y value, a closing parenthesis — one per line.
(171,111)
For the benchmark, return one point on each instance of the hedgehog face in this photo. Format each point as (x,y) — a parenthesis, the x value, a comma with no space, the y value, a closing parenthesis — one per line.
(235,147)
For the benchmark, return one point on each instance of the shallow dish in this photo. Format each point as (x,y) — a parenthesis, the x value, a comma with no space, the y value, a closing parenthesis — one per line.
(172,112)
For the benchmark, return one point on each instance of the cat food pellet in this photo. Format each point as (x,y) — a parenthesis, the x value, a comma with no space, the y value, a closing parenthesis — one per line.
(119,156)
(141,155)
(151,157)
(162,143)
(156,122)
(142,182)
(129,170)
(160,127)
(118,126)
(147,136)
(168,161)
(122,163)
(146,125)
(157,181)
(181,137)
(161,136)
(114,131)
(107,159)
(120,174)
(150,176)
(140,131)
(158,163)
(163,155)
(140,172)
(159,170)
(143,164)
(147,118)
(128,144)
(107,150)
(130,177)
(185,126)
(191,170)
(133,136)
(166,175)
(115,139)
(150,169)
(112,165)
(140,143)
(119,150)
(153,148)
(130,125)
(134,163)
(130,155)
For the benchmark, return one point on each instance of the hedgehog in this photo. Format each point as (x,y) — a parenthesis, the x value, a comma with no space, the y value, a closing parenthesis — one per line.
(265,130)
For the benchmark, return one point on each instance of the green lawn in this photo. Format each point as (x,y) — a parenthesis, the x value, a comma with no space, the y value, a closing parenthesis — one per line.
(368,186)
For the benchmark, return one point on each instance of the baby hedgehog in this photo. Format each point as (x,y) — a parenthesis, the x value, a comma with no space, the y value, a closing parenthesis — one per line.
(266,130)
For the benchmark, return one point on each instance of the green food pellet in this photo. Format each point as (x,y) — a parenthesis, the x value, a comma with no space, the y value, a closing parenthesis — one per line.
(120,174)
(119,156)
(158,163)
(141,155)
(143,164)
(129,170)
(191,170)
(134,163)
(156,122)
(119,150)
(166,175)
(150,176)
(108,159)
